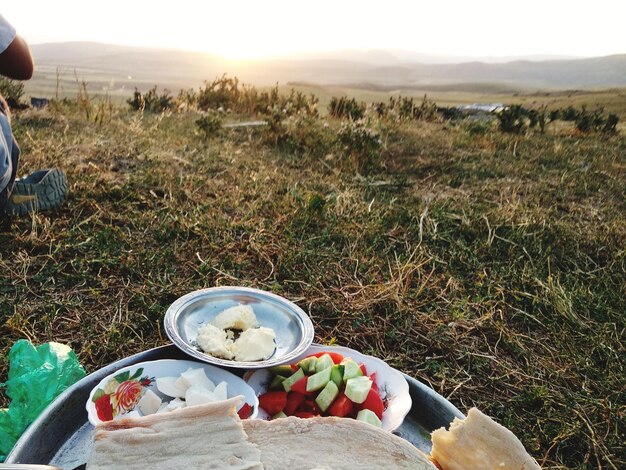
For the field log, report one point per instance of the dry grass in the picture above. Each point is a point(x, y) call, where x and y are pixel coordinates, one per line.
point(491, 267)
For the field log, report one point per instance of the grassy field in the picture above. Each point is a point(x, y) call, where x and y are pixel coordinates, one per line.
point(492, 267)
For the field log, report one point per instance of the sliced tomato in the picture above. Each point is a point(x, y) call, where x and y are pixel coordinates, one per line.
point(363, 369)
point(336, 357)
point(305, 414)
point(294, 400)
point(310, 405)
point(374, 384)
point(374, 403)
point(341, 406)
point(294, 367)
point(300, 385)
point(245, 411)
point(273, 402)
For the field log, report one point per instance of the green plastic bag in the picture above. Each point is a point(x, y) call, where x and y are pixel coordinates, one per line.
point(36, 377)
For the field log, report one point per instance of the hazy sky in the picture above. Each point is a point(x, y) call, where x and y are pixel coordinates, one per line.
point(241, 28)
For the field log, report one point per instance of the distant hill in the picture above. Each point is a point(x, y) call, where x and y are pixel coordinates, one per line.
point(120, 68)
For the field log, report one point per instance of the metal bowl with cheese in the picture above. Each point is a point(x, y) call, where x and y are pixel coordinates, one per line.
point(202, 323)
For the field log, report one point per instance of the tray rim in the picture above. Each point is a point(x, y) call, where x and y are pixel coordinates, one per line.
point(442, 411)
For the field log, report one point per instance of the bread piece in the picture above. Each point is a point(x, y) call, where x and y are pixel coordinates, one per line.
point(331, 443)
point(478, 442)
point(204, 436)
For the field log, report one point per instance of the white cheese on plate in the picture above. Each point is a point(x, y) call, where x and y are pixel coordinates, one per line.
point(255, 344)
point(214, 341)
point(239, 317)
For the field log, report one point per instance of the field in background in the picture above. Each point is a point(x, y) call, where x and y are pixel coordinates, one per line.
point(52, 83)
point(490, 266)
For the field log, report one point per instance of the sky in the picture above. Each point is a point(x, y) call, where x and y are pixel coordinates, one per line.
point(241, 29)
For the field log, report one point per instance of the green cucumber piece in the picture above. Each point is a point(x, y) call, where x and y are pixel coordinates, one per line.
point(351, 370)
point(308, 364)
point(369, 416)
point(292, 379)
point(280, 414)
point(284, 370)
point(327, 395)
point(357, 388)
point(318, 381)
point(277, 382)
point(323, 362)
point(336, 374)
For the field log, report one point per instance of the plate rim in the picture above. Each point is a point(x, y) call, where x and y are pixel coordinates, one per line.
point(171, 331)
point(187, 362)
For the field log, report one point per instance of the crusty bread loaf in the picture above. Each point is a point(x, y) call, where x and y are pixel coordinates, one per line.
point(478, 442)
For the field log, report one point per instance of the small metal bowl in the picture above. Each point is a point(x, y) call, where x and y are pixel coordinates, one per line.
point(293, 327)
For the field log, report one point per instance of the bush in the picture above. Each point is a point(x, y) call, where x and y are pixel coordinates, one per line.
point(299, 133)
point(210, 124)
point(12, 91)
point(361, 143)
point(512, 119)
point(151, 101)
point(344, 108)
point(610, 127)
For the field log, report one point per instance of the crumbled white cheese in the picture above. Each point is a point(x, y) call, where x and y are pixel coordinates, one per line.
point(214, 341)
point(255, 344)
point(239, 317)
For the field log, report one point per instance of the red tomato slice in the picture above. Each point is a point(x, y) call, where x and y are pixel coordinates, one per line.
point(363, 369)
point(311, 406)
point(336, 357)
point(294, 400)
point(374, 384)
point(341, 406)
point(374, 403)
point(300, 385)
point(273, 402)
point(305, 414)
point(245, 411)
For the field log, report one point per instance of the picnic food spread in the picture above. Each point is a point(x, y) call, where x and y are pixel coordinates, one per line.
point(253, 343)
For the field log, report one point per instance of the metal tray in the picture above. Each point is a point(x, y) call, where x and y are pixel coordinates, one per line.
point(62, 435)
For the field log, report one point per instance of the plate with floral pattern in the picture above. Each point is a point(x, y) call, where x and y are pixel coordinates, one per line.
point(117, 394)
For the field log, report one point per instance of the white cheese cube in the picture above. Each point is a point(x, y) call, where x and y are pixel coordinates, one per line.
point(221, 391)
point(149, 403)
point(197, 395)
point(167, 386)
point(197, 377)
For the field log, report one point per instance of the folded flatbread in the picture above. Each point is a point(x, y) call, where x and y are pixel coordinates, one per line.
point(331, 443)
point(197, 437)
point(478, 442)
point(212, 436)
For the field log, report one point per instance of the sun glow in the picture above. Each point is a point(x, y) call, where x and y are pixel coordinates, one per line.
point(245, 29)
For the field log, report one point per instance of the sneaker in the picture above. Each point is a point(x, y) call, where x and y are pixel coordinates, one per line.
point(39, 191)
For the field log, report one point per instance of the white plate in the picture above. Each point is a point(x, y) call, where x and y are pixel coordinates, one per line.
point(129, 383)
point(394, 389)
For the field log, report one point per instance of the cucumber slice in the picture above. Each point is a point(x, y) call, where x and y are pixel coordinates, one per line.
point(277, 382)
point(292, 379)
point(308, 364)
point(284, 370)
point(351, 370)
point(280, 414)
point(327, 395)
point(369, 416)
point(318, 381)
point(357, 388)
point(336, 374)
point(323, 362)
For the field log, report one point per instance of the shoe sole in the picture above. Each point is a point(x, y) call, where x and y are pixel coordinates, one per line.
point(44, 195)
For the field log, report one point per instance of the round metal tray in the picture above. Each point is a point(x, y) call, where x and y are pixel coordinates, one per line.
point(62, 435)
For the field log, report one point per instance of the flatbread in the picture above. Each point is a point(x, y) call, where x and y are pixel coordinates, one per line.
point(204, 436)
point(478, 442)
point(331, 443)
